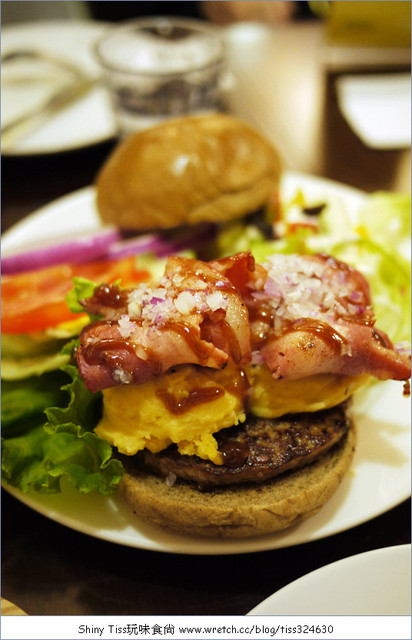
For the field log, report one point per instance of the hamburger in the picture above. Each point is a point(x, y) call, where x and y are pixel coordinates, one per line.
point(227, 384)
point(186, 172)
point(223, 385)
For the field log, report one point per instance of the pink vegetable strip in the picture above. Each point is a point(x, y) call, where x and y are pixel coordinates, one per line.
point(107, 244)
point(84, 248)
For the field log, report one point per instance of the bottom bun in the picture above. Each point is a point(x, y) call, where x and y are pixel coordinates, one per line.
point(241, 510)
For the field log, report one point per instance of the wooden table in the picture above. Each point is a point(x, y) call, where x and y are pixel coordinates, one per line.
point(284, 88)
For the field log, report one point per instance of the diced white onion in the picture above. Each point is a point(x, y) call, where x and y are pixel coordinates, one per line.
point(185, 303)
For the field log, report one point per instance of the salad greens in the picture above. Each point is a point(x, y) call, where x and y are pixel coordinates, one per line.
point(48, 419)
point(380, 249)
point(23, 404)
point(62, 445)
point(389, 279)
point(377, 243)
point(47, 428)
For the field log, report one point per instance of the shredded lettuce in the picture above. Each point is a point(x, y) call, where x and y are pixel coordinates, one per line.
point(386, 217)
point(377, 244)
point(389, 279)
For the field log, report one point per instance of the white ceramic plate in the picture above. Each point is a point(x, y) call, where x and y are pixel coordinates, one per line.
point(378, 481)
point(376, 583)
point(84, 122)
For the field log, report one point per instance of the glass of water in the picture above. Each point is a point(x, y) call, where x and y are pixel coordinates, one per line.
point(162, 67)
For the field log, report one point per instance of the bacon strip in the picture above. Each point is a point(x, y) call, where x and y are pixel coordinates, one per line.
point(301, 315)
point(337, 336)
point(360, 350)
point(193, 315)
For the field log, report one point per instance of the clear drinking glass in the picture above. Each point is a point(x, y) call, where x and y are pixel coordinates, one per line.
point(162, 67)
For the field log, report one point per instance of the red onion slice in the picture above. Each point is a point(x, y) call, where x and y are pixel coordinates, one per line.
point(106, 244)
point(82, 248)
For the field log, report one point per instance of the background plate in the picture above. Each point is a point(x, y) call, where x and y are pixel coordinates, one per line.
point(376, 583)
point(86, 121)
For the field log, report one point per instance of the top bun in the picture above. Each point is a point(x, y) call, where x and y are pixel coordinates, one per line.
point(208, 168)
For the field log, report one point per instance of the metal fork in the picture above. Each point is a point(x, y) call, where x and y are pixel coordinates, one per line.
point(24, 124)
point(42, 55)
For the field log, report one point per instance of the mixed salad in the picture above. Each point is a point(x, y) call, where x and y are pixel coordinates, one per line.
point(48, 415)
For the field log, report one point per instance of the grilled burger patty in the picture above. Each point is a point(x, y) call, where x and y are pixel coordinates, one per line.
point(254, 451)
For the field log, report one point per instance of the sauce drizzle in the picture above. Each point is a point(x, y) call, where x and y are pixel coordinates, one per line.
point(195, 397)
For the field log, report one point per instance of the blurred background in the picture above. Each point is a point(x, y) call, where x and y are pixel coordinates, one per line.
point(223, 12)
point(327, 82)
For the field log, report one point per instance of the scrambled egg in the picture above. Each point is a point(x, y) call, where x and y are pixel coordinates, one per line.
point(139, 416)
point(271, 398)
point(188, 404)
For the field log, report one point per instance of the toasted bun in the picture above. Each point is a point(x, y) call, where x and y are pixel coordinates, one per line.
point(208, 168)
point(242, 510)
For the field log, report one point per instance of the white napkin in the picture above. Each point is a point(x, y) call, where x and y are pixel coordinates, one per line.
point(377, 108)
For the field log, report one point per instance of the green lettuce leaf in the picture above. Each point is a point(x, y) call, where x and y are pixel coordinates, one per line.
point(84, 407)
point(37, 460)
point(23, 402)
point(61, 442)
point(82, 288)
point(24, 462)
point(386, 217)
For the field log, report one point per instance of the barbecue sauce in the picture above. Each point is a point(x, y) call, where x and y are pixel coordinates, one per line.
point(106, 296)
point(319, 329)
point(235, 453)
point(177, 406)
point(262, 318)
point(191, 337)
point(107, 351)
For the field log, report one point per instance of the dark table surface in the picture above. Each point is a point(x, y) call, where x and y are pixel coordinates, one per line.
point(48, 568)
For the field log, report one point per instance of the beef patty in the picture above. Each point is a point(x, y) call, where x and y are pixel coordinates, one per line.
point(254, 451)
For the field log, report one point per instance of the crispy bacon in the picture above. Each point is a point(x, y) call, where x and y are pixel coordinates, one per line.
point(191, 315)
point(313, 314)
point(346, 349)
point(301, 315)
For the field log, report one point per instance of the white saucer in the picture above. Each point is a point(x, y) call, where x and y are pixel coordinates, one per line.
point(373, 583)
point(84, 122)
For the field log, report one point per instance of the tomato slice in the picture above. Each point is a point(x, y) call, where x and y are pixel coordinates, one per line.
point(35, 300)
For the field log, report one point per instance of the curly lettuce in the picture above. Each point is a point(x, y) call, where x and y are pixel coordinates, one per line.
point(49, 435)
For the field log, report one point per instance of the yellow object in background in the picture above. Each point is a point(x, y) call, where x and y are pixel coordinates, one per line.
point(376, 24)
point(10, 609)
